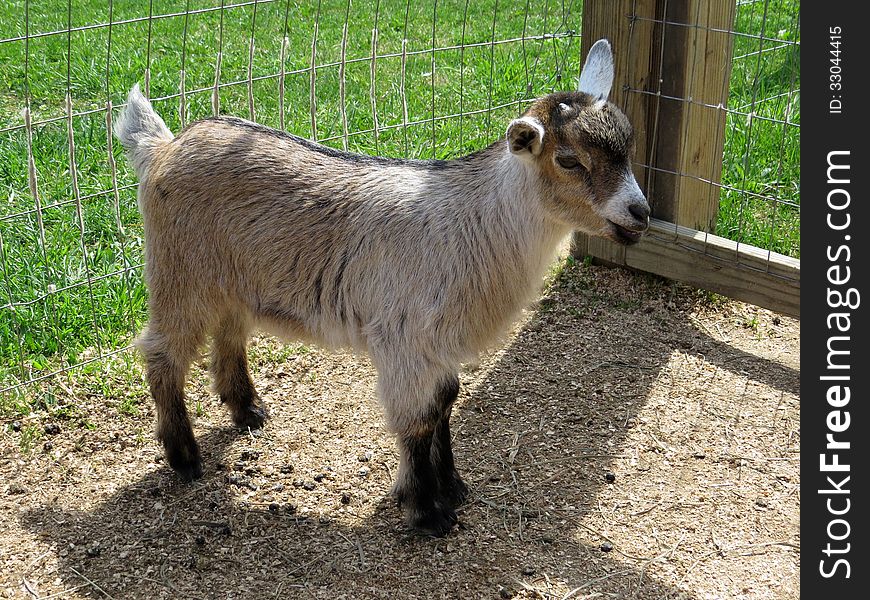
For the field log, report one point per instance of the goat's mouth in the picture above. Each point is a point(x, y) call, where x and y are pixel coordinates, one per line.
point(626, 236)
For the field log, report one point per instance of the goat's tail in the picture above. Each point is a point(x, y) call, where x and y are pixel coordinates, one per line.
point(141, 131)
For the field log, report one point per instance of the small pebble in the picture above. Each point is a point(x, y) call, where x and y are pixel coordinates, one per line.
point(286, 469)
point(47, 446)
point(506, 593)
point(16, 488)
point(606, 547)
point(363, 471)
point(610, 477)
point(308, 485)
point(52, 428)
point(345, 498)
point(273, 507)
point(199, 540)
point(528, 570)
point(366, 457)
point(16, 425)
point(319, 477)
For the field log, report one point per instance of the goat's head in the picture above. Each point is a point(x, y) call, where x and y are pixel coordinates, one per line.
point(581, 146)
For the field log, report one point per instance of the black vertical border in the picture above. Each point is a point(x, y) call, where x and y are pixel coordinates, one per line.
point(821, 133)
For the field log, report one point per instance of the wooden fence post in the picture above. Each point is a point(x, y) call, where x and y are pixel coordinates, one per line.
point(629, 25)
point(695, 65)
point(673, 62)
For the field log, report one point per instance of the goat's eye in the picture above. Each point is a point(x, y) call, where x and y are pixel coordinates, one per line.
point(567, 162)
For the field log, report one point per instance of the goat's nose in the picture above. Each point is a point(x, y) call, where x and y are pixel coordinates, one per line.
point(639, 210)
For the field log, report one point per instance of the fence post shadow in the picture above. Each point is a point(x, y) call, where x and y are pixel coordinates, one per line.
point(536, 432)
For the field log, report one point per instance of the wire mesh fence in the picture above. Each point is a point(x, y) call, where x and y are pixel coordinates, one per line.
point(397, 78)
point(433, 79)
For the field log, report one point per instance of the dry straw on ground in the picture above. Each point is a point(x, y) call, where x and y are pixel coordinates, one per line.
point(630, 439)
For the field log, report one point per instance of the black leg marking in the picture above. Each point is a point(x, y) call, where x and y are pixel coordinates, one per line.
point(452, 489)
point(173, 424)
point(182, 451)
point(241, 397)
point(233, 381)
point(450, 484)
point(419, 492)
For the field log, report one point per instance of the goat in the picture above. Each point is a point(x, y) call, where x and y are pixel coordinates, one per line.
point(419, 263)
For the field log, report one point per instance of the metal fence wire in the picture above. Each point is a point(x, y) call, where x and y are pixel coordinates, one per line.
point(437, 78)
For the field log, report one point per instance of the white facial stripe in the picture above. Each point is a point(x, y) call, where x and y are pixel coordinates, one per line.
point(616, 207)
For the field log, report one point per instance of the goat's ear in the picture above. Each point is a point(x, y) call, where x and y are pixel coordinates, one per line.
point(596, 78)
point(525, 136)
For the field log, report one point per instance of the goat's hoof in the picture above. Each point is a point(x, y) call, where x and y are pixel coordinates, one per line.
point(457, 491)
point(435, 522)
point(253, 416)
point(185, 461)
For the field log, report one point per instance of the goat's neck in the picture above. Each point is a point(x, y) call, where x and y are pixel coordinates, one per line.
point(506, 207)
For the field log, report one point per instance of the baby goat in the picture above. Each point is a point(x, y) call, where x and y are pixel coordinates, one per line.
point(419, 263)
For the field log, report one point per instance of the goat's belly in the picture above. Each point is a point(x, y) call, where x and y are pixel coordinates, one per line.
point(320, 331)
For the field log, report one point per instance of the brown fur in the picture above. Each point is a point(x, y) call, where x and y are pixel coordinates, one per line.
point(419, 263)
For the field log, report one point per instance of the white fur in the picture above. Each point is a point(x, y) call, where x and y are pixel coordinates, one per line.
point(596, 78)
point(518, 129)
point(140, 128)
point(616, 207)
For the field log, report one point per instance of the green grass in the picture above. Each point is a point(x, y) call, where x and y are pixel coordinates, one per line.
point(74, 276)
point(48, 256)
point(762, 155)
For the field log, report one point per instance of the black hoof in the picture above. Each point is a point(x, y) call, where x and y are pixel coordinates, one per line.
point(253, 417)
point(185, 460)
point(456, 492)
point(436, 522)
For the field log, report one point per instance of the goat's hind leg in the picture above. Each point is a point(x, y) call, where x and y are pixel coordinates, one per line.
point(232, 380)
point(167, 361)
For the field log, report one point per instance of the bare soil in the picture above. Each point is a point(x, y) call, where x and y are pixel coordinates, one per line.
point(631, 438)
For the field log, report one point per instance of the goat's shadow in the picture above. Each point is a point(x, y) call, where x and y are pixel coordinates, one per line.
point(516, 429)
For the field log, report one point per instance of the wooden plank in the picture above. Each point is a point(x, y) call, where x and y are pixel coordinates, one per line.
point(710, 262)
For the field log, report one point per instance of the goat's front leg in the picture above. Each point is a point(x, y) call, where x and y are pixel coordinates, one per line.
point(417, 489)
point(416, 407)
point(451, 487)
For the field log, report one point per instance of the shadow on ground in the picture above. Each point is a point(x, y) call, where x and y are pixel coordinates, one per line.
point(537, 430)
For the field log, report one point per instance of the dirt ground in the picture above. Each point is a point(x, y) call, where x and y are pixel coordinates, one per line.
point(631, 439)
